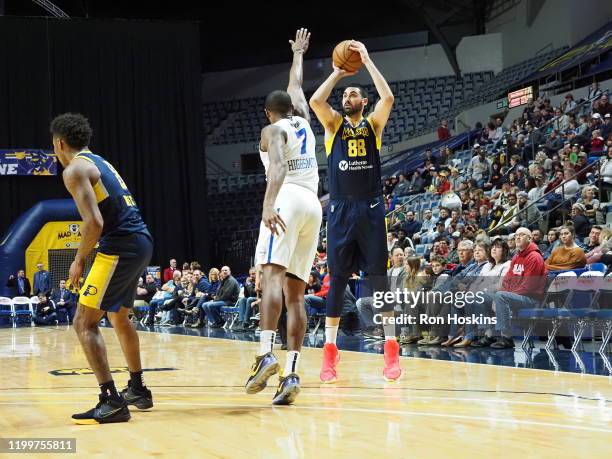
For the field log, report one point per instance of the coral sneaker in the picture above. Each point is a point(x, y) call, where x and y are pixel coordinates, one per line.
point(331, 357)
point(392, 370)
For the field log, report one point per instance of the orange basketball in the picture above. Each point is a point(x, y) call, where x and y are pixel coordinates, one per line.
point(346, 58)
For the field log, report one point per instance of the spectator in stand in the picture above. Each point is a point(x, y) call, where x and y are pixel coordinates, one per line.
point(45, 311)
point(428, 226)
point(444, 131)
point(387, 188)
point(526, 215)
point(594, 92)
point(522, 287)
point(315, 302)
point(144, 291)
point(410, 225)
point(606, 128)
point(402, 241)
point(401, 189)
point(504, 225)
point(594, 245)
point(480, 166)
point(249, 295)
point(590, 203)
point(313, 285)
point(416, 183)
point(537, 239)
point(430, 159)
point(64, 299)
point(42, 281)
point(568, 255)
point(455, 179)
point(227, 295)
point(568, 104)
point(602, 106)
point(563, 193)
point(20, 285)
point(554, 142)
point(160, 298)
point(580, 222)
point(444, 186)
point(597, 141)
point(552, 242)
point(391, 240)
point(169, 271)
point(605, 179)
point(484, 219)
point(560, 122)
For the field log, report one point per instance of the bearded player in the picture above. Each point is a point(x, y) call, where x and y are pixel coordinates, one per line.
point(356, 229)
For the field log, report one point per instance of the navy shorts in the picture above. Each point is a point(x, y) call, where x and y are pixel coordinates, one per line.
point(112, 280)
point(357, 237)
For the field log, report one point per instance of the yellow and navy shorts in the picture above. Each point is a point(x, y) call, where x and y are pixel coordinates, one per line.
point(112, 280)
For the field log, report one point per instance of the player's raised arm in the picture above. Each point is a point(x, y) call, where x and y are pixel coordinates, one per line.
point(296, 74)
point(326, 115)
point(77, 181)
point(273, 140)
point(380, 115)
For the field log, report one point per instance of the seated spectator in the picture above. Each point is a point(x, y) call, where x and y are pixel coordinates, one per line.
point(402, 241)
point(455, 179)
point(144, 291)
point(165, 294)
point(411, 281)
point(537, 239)
point(45, 311)
point(535, 188)
point(504, 225)
point(410, 225)
point(522, 287)
point(401, 189)
point(580, 222)
point(568, 255)
point(552, 241)
point(64, 299)
point(590, 203)
point(598, 244)
point(173, 308)
point(245, 303)
point(313, 285)
point(526, 215)
point(427, 226)
point(391, 240)
point(444, 185)
point(568, 104)
point(480, 167)
point(20, 285)
point(315, 302)
point(227, 295)
point(169, 271)
point(602, 106)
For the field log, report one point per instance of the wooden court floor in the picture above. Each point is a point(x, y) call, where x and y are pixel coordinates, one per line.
point(438, 409)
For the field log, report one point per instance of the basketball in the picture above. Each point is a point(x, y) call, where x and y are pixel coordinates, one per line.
point(346, 58)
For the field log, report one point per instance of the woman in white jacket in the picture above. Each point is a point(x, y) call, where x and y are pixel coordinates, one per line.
point(488, 282)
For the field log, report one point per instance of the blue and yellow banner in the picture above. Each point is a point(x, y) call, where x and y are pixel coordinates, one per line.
point(28, 162)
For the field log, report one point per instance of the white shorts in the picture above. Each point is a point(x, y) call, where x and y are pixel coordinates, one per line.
point(296, 248)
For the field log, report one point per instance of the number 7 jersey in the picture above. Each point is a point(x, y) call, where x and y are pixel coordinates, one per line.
point(299, 154)
point(353, 158)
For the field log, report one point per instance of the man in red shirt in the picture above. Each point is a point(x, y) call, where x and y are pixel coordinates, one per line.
point(444, 186)
point(444, 131)
point(522, 287)
point(169, 272)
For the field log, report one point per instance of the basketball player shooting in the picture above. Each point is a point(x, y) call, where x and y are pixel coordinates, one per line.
point(356, 230)
point(289, 231)
point(112, 219)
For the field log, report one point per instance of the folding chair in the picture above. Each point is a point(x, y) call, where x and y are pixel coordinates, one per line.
point(22, 310)
point(6, 311)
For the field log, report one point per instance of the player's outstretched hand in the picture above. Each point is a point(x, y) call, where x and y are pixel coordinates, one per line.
point(302, 40)
point(361, 49)
point(76, 271)
point(273, 220)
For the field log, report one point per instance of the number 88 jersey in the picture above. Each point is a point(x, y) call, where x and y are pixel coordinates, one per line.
point(353, 157)
point(300, 153)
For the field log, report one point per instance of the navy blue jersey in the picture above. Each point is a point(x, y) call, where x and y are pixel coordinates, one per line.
point(119, 211)
point(353, 158)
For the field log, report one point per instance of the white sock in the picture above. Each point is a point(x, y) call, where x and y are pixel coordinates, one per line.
point(331, 333)
point(389, 330)
point(266, 341)
point(292, 362)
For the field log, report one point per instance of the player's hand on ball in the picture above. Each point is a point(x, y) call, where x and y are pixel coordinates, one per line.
point(76, 271)
point(361, 49)
point(302, 40)
point(273, 221)
point(341, 72)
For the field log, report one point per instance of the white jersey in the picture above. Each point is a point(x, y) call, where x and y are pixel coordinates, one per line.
point(300, 155)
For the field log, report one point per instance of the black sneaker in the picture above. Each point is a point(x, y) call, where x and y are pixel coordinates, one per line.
point(108, 410)
point(265, 366)
point(288, 390)
point(485, 341)
point(503, 343)
point(141, 399)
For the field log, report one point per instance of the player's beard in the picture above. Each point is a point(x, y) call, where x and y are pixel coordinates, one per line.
point(350, 110)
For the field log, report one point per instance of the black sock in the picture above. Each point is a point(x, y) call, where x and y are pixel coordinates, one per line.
point(108, 388)
point(137, 380)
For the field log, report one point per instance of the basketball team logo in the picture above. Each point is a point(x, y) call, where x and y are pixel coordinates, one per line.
point(343, 165)
point(91, 290)
point(73, 228)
